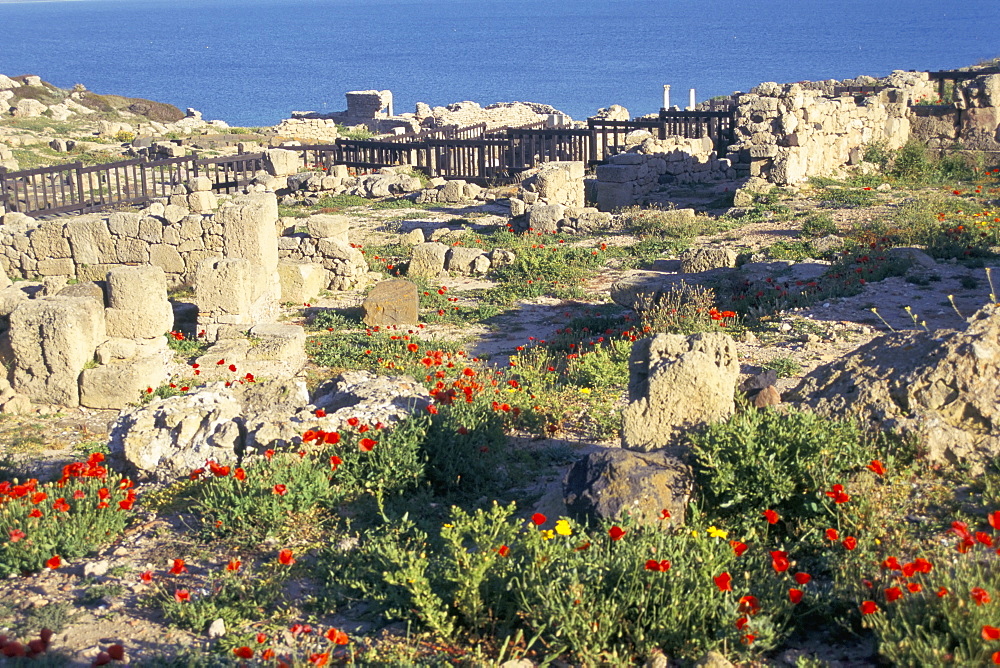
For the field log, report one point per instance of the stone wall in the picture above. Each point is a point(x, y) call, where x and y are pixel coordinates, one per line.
point(629, 177)
point(786, 133)
point(551, 199)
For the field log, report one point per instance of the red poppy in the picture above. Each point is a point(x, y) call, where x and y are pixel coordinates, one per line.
point(803, 578)
point(664, 514)
point(892, 564)
point(994, 519)
point(850, 543)
point(337, 637)
point(539, 519)
point(332, 438)
point(35, 513)
point(319, 412)
point(616, 532)
point(311, 435)
point(795, 596)
point(723, 582)
point(980, 595)
point(102, 659)
point(779, 561)
point(178, 567)
point(659, 566)
point(243, 652)
point(240, 474)
point(195, 474)
point(319, 659)
point(749, 605)
point(182, 595)
point(738, 547)
point(232, 367)
point(772, 517)
point(54, 562)
point(876, 467)
point(984, 538)
point(915, 587)
point(79, 494)
point(285, 557)
point(116, 652)
point(413, 347)
point(38, 497)
point(838, 494)
point(220, 362)
point(368, 444)
point(831, 534)
point(942, 592)
point(280, 489)
point(234, 565)
point(16, 535)
point(503, 550)
point(893, 593)
point(335, 461)
point(353, 421)
point(922, 565)
point(218, 471)
point(991, 632)
point(146, 576)
point(868, 608)
point(61, 506)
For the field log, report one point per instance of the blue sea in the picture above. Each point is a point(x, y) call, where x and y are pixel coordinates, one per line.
point(251, 62)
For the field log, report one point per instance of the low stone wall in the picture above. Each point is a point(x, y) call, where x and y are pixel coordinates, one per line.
point(630, 176)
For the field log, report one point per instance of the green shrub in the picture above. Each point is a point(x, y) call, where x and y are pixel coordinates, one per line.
point(818, 225)
point(911, 163)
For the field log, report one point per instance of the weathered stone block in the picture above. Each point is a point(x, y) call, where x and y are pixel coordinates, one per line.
point(248, 225)
point(394, 302)
point(60, 267)
point(224, 285)
point(117, 384)
point(326, 226)
point(91, 242)
point(301, 281)
point(166, 258)
point(427, 260)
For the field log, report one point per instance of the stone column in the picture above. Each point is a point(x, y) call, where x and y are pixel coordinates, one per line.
point(666, 96)
point(691, 100)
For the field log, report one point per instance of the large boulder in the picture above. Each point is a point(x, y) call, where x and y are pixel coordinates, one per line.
point(394, 302)
point(610, 483)
point(942, 387)
point(677, 382)
point(428, 260)
point(167, 439)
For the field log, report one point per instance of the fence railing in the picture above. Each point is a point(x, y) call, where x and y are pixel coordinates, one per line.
point(471, 153)
point(75, 188)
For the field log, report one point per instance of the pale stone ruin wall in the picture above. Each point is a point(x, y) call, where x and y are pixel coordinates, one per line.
point(551, 199)
point(787, 133)
point(973, 120)
point(630, 176)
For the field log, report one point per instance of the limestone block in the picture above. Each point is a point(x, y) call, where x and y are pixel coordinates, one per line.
point(58, 267)
point(174, 213)
point(394, 302)
point(124, 224)
point(427, 260)
point(676, 382)
point(48, 241)
point(137, 303)
point(617, 173)
point(460, 259)
point(28, 108)
point(166, 258)
point(224, 285)
point(52, 340)
point(93, 272)
point(10, 298)
point(119, 383)
point(613, 196)
point(133, 251)
point(545, 217)
point(202, 202)
point(116, 349)
point(190, 228)
point(249, 229)
point(301, 281)
point(704, 259)
point(281, 162)
point(452, 191)
point(326, 226)
point(172, 234)
point(91, 242)
point(200, 184)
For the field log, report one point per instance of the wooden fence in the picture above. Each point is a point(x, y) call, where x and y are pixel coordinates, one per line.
point(471, 153)
point(75, 188)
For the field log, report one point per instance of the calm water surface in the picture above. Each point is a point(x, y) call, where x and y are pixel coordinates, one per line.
point(250, 62)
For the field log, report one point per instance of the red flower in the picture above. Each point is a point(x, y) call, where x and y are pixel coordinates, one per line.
point(16, 535)
point(893, 593)
point(220, 362)
point(996, 657)
point(915, 587)
point(146, 576)
point(116, 652)
point(319, 659)
point(335, 461)
point(850, 543)
point(503, 550)
point(261, 638)
point(319, 412)
point(831, 534)
point(738, 547)
point(240, 474)
point(772, 517)
point(102, 659)
point(232, 367)
point(195, 474)
point(749, 605)
point(35, 513)
point(994, 519)
point(664, 514)
point(413, 347)
point(779, 561)
point(983, 538)
point(178, 567)
point(803, 578)
point(182, 595)
point(868, 608)
point(795, 596)
point(280, 490)
point(79, 494)
point(332, 438)
point(659, 566)
point(234, 565)
point(922, 565)
point(991, 633)
point(218, 471)
point(353, 421)
point(616, 532)
point(723, 582)
point(838, 494)
point(368, 444)
point(285, 557)
point(942, 592)
point(61, 505)
point(980, 595)
point(243, 652)
point(538, 519)
point(54, 562)
point(892, 564)
point(337, 637)
point(876, 467)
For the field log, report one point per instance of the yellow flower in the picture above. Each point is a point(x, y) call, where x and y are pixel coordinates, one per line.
point(717, 533)
point(548, 534)
point(585, 390)
point(694, 533)
point(563, 528)
point(449, 526)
